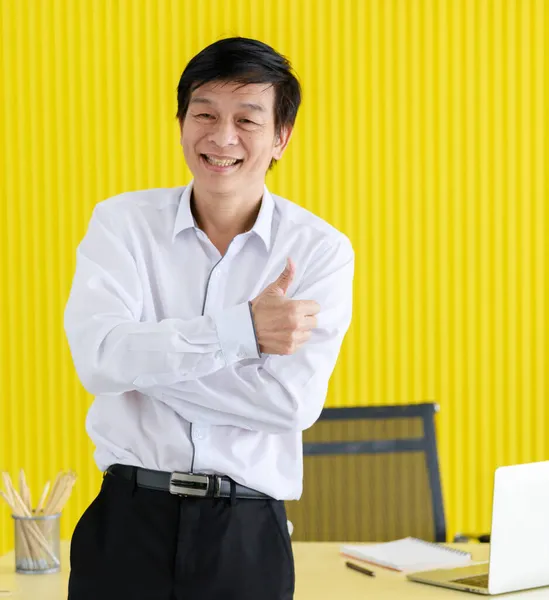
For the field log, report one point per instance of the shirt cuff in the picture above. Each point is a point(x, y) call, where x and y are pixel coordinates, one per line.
point(235, 330)
point(255, 332)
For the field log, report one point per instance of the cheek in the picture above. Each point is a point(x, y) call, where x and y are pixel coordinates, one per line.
point(190, 136)
point(190, 149)
point(259, 147)
point(185, 144)
point(189, 152)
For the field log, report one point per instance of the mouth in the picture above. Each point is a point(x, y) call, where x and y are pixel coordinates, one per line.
point(220, 164)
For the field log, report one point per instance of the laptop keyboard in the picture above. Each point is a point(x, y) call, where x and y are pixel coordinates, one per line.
point(480, 581)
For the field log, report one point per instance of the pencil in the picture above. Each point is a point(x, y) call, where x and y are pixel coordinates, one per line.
point(360, 569)
point(40, 505)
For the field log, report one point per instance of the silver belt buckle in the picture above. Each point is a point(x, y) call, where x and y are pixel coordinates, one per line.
point(190, 484)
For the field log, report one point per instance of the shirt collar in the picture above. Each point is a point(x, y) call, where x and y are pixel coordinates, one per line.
point(263, 224)
point(184, 218)
point(262, 227)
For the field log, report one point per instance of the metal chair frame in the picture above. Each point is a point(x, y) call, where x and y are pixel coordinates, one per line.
point(426, 444)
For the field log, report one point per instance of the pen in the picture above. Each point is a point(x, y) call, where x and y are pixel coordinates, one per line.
point(360, 569)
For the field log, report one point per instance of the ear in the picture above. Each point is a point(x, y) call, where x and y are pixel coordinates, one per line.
point(281, 141)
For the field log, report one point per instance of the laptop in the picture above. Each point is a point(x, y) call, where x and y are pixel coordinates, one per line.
point(519, 542)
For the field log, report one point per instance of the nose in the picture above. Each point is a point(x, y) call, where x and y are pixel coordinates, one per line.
point(223, 133)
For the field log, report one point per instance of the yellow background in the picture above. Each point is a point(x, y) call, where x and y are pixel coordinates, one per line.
point(422, 135)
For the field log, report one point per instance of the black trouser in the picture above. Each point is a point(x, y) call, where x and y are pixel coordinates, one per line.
point(134, 543)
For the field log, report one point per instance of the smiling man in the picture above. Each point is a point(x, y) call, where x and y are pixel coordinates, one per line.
point(206, 320)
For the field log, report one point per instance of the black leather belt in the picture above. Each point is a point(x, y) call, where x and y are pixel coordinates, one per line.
point(185, 484)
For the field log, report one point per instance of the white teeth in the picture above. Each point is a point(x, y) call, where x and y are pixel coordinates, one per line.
point(221, 163)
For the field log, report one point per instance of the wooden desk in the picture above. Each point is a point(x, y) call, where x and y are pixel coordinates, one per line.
point(320, 575)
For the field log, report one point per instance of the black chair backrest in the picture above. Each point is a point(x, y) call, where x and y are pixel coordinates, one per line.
point(370, 474)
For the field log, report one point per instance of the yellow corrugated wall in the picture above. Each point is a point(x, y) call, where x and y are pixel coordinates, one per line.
point(423, 135)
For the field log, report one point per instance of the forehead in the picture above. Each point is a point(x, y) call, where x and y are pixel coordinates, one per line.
point(221, 94)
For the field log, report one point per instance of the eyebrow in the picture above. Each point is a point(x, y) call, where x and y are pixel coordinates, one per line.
point(249, 105)
point(253, 106)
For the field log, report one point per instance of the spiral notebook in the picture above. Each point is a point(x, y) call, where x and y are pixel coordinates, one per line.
point(408, 555)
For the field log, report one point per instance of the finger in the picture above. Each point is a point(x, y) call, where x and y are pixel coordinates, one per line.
point(298, 340)
point(307, 307)
point(304, 323)
point(309, 322)
point(285, 279)
point(302, 338)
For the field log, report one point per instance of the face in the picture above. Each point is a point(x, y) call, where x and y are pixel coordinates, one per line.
point(228, 136)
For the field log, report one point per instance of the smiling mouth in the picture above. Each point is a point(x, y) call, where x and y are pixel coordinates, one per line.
point(220, 162)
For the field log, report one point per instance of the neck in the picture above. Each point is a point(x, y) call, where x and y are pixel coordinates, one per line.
point(224, 216)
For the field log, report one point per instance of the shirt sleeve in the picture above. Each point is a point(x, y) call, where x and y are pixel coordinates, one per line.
point(277, 394)
point(113, 350)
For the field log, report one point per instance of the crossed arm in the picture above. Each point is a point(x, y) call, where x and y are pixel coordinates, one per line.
point(208, 365)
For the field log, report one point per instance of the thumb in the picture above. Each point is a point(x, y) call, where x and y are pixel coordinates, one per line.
point(281, 285)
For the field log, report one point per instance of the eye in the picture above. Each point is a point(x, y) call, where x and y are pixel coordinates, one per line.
point(246, 122)
point(204, 116)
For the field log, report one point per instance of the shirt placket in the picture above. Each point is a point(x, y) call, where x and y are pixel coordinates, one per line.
point(214, 300)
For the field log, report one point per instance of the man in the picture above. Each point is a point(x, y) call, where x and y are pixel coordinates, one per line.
point(207, 321)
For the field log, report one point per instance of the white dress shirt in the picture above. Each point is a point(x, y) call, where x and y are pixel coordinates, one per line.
point(160, 331)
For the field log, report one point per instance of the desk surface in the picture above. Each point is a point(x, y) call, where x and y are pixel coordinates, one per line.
point(320, 575)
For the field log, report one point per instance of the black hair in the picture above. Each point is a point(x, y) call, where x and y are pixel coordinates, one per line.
point(243, 60)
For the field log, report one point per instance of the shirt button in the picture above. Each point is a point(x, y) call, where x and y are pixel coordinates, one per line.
point(199, 433)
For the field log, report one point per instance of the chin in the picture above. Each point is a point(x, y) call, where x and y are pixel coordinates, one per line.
point(219, 185)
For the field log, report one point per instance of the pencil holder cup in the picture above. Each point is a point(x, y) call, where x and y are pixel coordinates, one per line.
point(37, 544)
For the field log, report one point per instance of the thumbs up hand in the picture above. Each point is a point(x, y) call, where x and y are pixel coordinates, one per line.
point(282, 325)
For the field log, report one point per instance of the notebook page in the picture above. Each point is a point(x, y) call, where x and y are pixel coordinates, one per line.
point(408, 554)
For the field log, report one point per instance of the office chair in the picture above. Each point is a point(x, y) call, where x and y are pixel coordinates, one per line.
point(370, 474)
